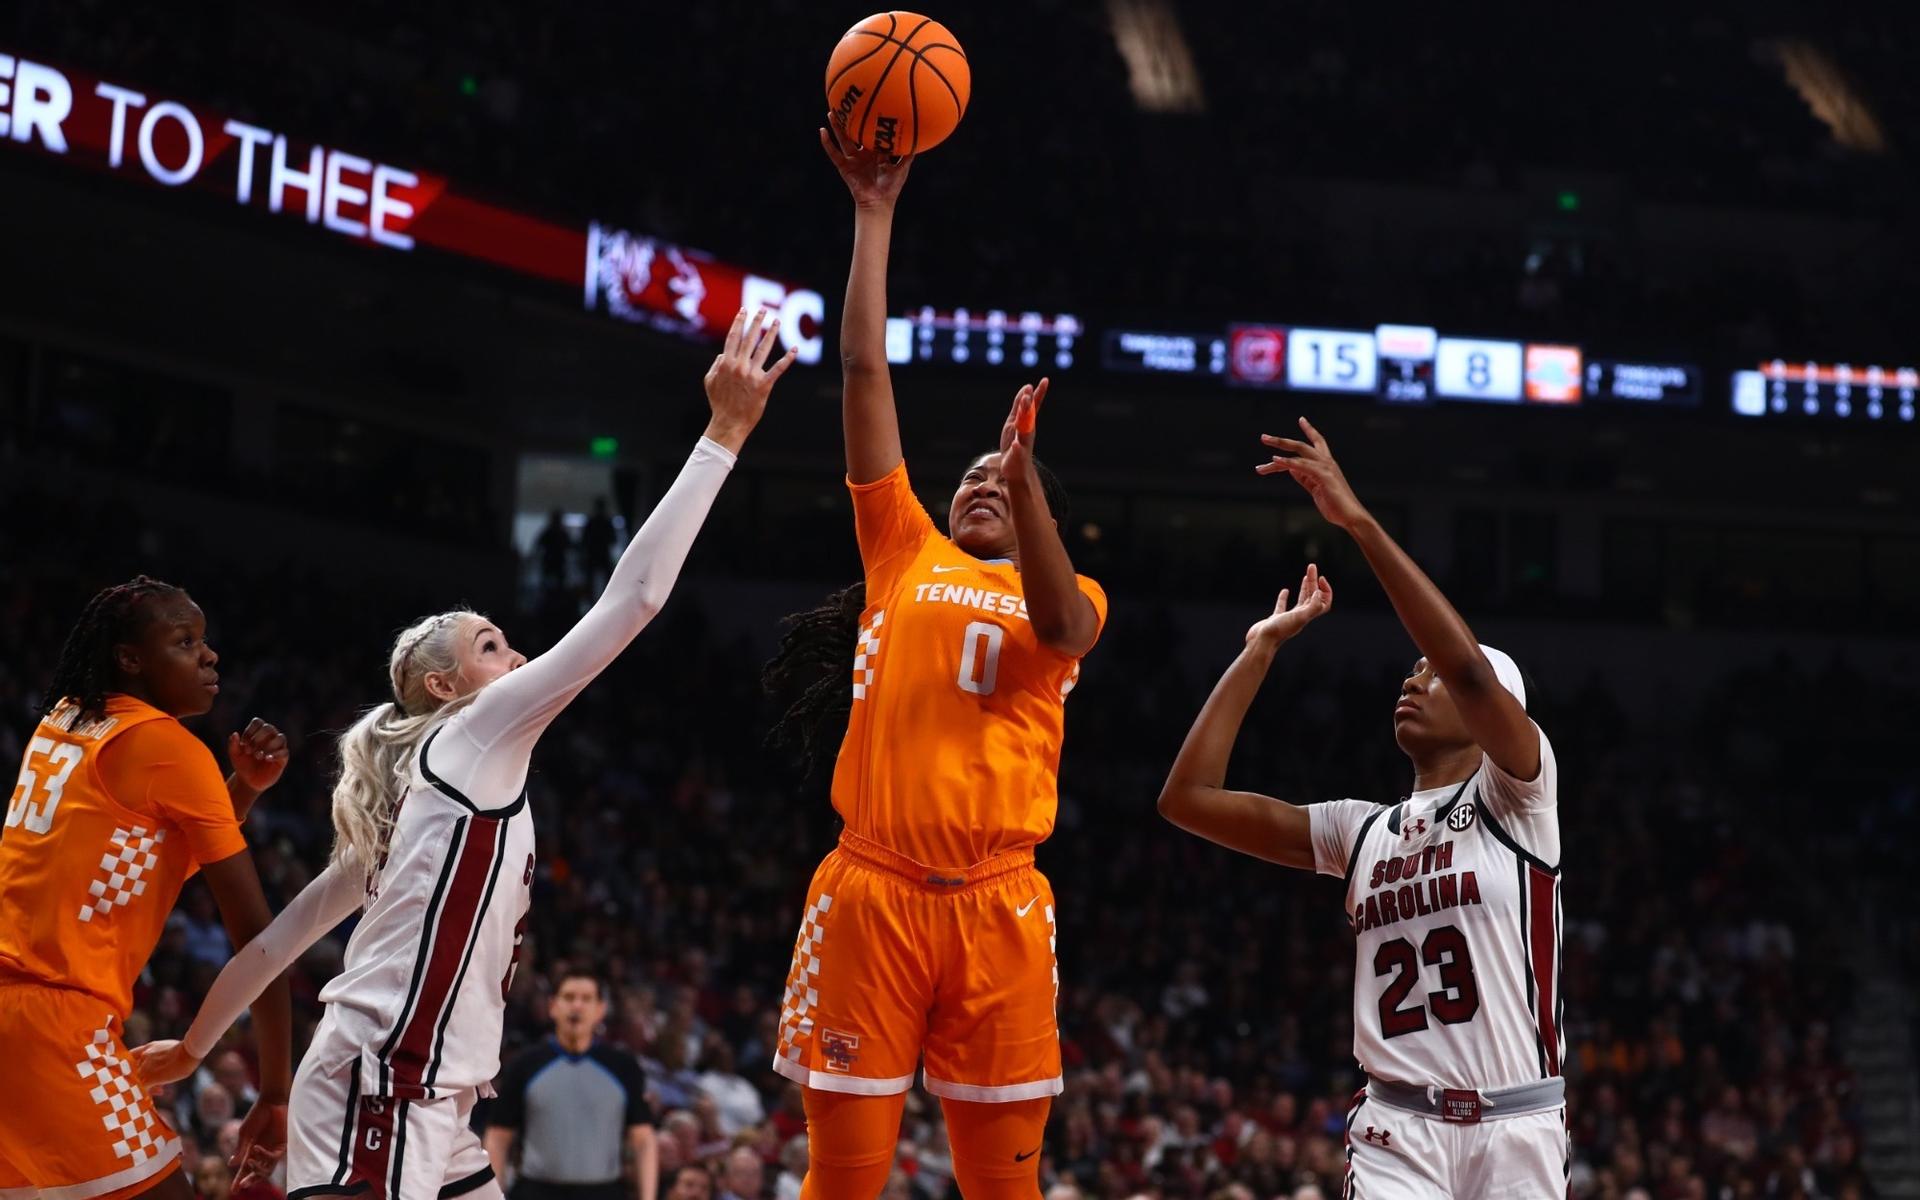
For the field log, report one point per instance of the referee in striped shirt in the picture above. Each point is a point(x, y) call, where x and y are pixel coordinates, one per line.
point(574, 1105)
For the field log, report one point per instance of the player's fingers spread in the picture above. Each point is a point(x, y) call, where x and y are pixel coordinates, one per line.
point(1313, 435)
point(1280, 602)
point(749, 342)
point(733, 336)
point(780, 367)
point(1276, 467)
point(1040, 393)
point(769, 338)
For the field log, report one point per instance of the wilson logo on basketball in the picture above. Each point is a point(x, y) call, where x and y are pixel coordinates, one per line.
point(884, 131)
point(848, 99)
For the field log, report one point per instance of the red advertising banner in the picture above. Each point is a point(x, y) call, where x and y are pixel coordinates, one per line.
point(169, 143)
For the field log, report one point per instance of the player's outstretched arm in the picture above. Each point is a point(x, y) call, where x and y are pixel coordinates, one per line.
point(256, 966)
point(1497, 721)
point(866, 402)
point(1194, 797)
point(512, 711)
point(243, 909)
point(1062, 616)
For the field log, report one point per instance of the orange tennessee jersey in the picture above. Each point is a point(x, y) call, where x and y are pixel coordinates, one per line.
point(107, 821)
point(953, 748)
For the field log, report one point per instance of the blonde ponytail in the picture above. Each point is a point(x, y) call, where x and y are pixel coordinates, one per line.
point(376, 754)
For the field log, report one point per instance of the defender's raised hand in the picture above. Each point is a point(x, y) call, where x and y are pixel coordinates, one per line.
point(1312, 466)
point(739, 381)
point(1316, 600)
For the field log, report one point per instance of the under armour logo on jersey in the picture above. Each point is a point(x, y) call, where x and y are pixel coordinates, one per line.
point(1383, 1136)
point(1415, 828)
point(1460, 818)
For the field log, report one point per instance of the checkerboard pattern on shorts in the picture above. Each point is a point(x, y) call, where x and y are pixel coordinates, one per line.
point(801, 995)
point(129, 856)
point(138, 1135)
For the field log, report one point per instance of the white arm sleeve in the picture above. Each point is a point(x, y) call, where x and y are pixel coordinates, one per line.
point(512, 711)
point(1333, 827)
point(328, 900)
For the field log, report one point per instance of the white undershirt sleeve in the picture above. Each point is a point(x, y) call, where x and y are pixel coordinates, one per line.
point(1529, 809)
point(331, 898)
point(1333, 827)
point(511, 712)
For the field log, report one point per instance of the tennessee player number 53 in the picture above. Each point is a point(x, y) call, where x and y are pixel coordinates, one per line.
point(62, 757)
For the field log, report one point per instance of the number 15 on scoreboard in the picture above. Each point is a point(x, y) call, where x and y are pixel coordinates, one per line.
point(1332, 360)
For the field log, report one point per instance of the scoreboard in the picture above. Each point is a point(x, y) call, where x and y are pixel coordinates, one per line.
point(1394, 364)
point(1140, 350)
point(992, 337)
point(1829, 391)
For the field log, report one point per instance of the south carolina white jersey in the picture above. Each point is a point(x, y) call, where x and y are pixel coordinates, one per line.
point(1453, 895)
point(422, 996)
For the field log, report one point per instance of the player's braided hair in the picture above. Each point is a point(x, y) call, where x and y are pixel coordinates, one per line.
point(86, 671)
point(813, 668)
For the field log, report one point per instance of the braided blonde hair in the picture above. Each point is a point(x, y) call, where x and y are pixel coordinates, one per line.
point(376, 754)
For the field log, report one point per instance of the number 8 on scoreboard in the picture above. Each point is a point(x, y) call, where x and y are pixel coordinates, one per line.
point(1470, 369)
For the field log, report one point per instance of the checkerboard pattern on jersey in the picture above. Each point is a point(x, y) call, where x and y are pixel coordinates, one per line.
point(130, 854)
point(1053, 948)
point(864, 651)
point(138, 1135)
point(801, 995)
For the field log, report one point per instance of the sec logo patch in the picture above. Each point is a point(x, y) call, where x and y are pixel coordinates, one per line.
point(1460, 818)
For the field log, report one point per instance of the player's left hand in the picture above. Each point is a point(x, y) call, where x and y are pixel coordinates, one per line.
point(263, 1142)
point(258, 754)
point(1016, 435)
point(162, 1062)
point(1316, 600)
point(1312, 467)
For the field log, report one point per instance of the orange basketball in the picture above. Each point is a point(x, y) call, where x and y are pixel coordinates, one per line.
point(898, 82)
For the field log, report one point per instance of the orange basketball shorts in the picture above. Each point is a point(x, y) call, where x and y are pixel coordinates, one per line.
point(74, 1120)
point(899, 963)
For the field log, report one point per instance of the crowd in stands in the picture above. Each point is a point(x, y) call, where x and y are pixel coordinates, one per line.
point(1206, 998)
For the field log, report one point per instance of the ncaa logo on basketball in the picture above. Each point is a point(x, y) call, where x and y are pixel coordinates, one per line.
point(838, 1047)
point(1460, 818)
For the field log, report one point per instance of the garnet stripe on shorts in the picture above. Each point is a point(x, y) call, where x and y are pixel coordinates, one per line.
point(373, 1136)
point(446, 942)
